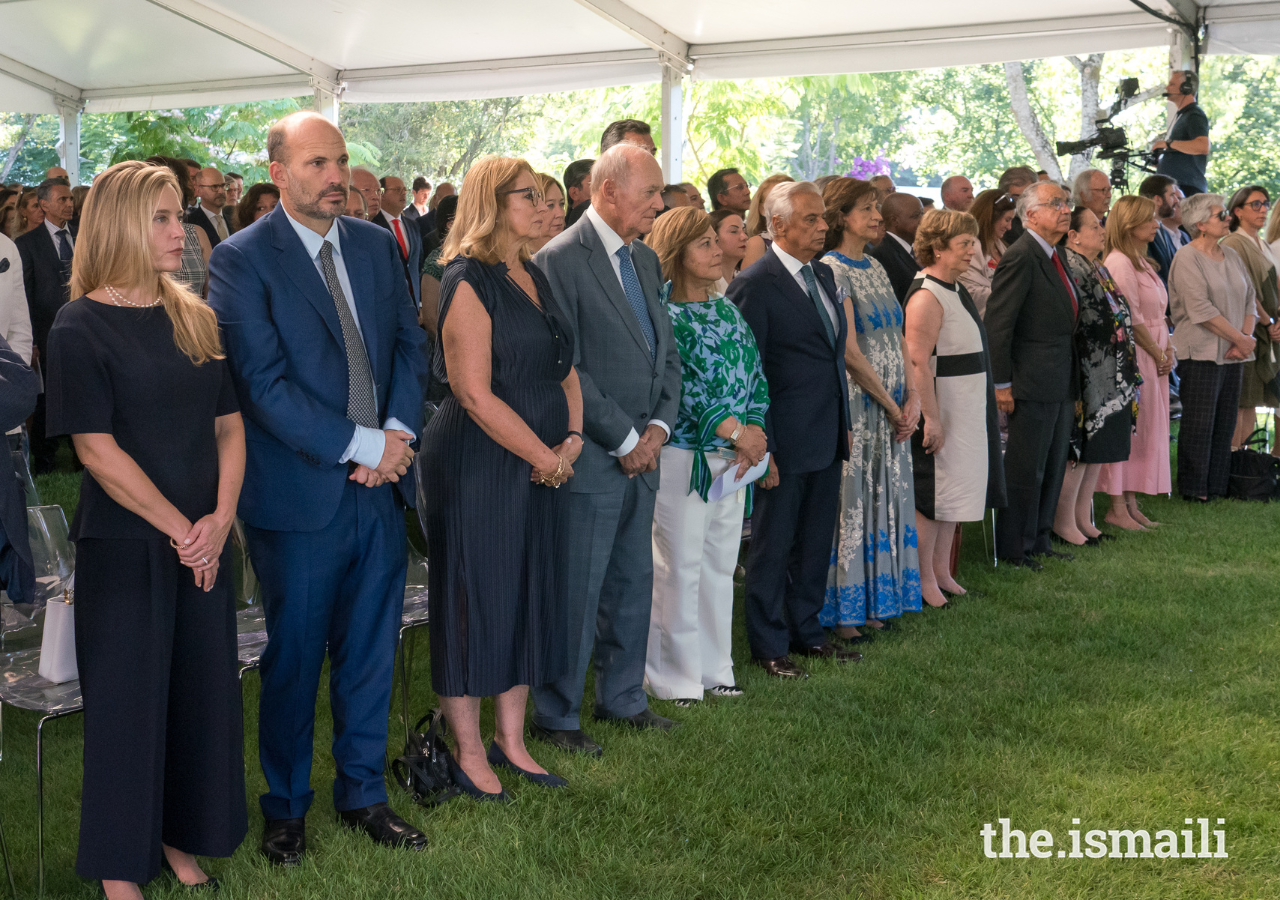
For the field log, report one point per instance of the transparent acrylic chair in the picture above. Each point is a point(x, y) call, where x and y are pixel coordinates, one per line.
point(20, 683)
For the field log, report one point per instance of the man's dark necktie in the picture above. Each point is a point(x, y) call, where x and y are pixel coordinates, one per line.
point(362, 406)
point(635, 298)
point(812, 282)
point(64, 252)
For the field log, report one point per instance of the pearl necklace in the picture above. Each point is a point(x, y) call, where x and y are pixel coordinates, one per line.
point(120, 299)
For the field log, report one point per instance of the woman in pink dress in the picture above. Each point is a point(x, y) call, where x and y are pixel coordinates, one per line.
point(1132, 225)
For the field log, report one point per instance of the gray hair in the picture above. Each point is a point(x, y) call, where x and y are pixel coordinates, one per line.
point(1082, 187)
point(1030, 198)
point(616, 164)
point(782, 203)
point(44, 191)
point(1197, 209)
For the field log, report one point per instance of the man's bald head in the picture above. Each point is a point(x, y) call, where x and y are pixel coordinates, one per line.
point(211, 188)
point(287, 131)
point(957, 193)
point(902, 214)
point(310, 166)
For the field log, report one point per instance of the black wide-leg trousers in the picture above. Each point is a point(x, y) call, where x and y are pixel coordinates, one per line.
point(163, 732)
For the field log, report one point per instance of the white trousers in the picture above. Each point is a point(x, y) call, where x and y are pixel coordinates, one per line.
point(695, 551)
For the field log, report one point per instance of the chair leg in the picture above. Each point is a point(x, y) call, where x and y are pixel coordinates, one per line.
point(40, 802)
point(8, 866)
point(404, 685)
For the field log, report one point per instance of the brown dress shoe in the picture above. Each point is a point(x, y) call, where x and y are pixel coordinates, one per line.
point(828, 650)
point(781, 667)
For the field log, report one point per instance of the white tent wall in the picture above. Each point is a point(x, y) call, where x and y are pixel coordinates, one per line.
point(122, 55)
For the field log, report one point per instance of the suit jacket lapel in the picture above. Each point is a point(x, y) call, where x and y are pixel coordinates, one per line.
point(789, 287)
point(602, 267)
point(1051, 272)
point(301, 270)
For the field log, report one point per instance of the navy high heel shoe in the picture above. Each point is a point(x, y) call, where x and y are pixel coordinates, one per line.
point(498, 758)
point(469, 788)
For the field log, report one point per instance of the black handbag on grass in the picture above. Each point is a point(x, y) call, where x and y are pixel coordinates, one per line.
point(1254, 475)
point(423, 771)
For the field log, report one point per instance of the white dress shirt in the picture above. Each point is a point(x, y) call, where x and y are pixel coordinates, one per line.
point(612, 242)
point(794, 266)
point(367, 444)
point(905, 245)
point(53, 233)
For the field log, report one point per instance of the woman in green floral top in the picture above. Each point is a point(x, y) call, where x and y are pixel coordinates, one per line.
point(720, 427)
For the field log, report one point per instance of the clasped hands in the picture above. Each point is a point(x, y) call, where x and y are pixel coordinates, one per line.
point(555, 465)
point(1241, 349)
point(905, 419)
point(200, 548)
point(397, 455)
point(644, 455)
point(750, 449)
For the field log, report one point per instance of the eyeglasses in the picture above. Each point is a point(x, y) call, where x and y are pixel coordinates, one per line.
point(533, 195)
point(212, 186)
point(1221, 215)
point(1258, 205)
point(1056, 203)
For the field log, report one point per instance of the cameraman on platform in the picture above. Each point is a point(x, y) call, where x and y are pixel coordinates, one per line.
point(1186, 146)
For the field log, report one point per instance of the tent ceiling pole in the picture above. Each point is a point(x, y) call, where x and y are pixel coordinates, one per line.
point(69, 138)
point(246, 36)
point(640, 27)
point(326, 102)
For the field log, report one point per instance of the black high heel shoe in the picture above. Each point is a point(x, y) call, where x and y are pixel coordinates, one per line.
point(463, 781)
point(498, 758)
point(209, 886)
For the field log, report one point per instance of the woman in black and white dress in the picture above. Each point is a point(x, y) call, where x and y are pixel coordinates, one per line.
point(956, 455)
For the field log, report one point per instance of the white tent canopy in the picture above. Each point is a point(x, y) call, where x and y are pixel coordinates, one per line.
point(72, 56)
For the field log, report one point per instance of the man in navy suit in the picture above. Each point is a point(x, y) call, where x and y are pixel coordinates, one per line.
point(326, 355)
point(790, 301)
point(1167, 196)
point(46, 253)
point(896, 253)
point(408, 238)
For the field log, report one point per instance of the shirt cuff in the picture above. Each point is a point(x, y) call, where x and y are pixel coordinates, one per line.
point(663, 425)
point(394, 424)
point(627, 445)
point(366, 447)
point(1007, 384)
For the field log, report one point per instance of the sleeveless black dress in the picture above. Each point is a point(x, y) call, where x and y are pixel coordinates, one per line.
point(496, 541)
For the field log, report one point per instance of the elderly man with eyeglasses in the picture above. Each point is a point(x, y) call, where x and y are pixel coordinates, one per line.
point(1030, 319)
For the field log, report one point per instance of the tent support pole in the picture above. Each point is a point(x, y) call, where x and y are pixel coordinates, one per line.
point(672, 121)
point(69, 139)
point(326, 103)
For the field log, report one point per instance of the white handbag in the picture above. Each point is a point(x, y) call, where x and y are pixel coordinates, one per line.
point(58, 650)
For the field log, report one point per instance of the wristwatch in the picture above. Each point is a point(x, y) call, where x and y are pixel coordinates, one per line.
point(737, 433)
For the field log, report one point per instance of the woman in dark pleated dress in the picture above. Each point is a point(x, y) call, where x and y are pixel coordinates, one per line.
point(505, 439)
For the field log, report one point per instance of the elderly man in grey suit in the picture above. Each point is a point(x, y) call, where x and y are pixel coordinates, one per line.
point(607, 283)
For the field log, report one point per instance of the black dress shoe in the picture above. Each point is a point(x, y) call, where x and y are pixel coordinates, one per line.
point(781, 667)
point(1054, 554)
point(646, 718)
point(575, 741)
point(829, 650)
point(1024, 563)
point(380, 822)
point(284, 841)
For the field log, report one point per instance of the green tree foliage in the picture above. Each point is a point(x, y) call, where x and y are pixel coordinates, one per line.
point(1241, 95)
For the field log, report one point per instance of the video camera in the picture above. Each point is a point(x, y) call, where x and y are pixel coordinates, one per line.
point(1111, 141)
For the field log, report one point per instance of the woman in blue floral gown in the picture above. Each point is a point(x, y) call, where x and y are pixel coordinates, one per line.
point(875, 568)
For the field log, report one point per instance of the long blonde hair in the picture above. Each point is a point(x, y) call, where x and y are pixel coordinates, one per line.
point(1273, 227)
point(479, 226)
point(756, 222)
point(113, 247)
point(1130, 212)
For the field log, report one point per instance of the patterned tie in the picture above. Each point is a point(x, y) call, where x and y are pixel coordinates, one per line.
point(1066, 282)
point(635, 297)
point(362, 408)
point(64, 252)
point(816, 297)
point(219, 225)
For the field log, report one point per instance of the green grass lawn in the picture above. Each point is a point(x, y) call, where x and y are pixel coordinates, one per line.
point(1132, 688)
